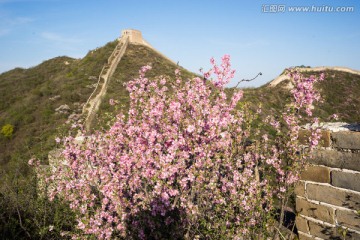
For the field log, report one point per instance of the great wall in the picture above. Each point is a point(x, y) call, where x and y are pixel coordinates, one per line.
point(283, 77)
point(328, 195)
point(92, 104)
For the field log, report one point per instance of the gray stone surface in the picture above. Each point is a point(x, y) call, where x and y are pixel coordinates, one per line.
point(333, 196)
point(346, 140)
point(334, 126)
point(336, 159)
point(320, 212)
point(348, 219)
point(322, 231)
point(348, 180)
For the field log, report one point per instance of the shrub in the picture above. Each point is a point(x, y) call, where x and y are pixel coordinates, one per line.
point(184, 163)
point(7, 130)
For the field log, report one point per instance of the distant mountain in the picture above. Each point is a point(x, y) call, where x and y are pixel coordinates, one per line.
point(340, 92)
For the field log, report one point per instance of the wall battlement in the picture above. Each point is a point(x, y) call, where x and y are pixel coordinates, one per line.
point(135, 36)
point(328, 195)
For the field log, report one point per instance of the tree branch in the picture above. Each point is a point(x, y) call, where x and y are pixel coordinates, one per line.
point(248, 80)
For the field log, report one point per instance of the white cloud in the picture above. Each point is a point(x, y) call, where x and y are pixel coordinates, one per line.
point(19, 20)
point(8, 24)
point(55, 37)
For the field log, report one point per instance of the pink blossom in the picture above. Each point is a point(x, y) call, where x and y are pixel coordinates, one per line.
point(190, 128)
point(335, 116)
point(181, 157)
point(163, 81)
point(112, 102)
point(31, 161)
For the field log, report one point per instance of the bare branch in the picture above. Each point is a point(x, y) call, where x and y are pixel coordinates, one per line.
point(20, 222)
point(248, 80)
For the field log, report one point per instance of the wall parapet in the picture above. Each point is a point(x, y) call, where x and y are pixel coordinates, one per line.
point(328, 194)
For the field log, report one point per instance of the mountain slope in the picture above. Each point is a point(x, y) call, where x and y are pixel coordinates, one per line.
point(134, 58)
point(340, 92)
point(30, 101)
point(38, 101)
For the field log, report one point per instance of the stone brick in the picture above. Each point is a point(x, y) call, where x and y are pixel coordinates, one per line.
point(346, 180)
point(333, 233)
point(316, 174)
point(333, 196)
point(348, 219)
point(352, 235)
point(301, 224)
point(316, 211)
point(322, 231)
point(300, 189)
point(303, 236)
point(336, 159)
point(347, 140)
point(324, 137)
point(347, 234)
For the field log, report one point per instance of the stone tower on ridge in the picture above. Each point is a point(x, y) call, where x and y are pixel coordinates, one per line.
point(134, 36)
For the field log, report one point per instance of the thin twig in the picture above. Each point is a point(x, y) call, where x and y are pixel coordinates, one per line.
point(21, 225)
point(282, 236)
point(248, 80)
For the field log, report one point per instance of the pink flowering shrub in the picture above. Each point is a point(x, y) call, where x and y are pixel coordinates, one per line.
point(180, 165)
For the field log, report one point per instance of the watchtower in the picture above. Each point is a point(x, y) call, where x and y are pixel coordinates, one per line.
point(134, 36)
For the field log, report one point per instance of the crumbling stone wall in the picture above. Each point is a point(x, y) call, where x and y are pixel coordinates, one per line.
point(328, 195)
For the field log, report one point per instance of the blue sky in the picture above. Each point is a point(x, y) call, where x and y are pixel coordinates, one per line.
point(188, 31)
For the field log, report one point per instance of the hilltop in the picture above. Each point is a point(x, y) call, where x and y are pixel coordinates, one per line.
point(340, 93)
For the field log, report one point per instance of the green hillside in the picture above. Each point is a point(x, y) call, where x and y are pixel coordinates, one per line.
point(134, 58)
point(340, 93)
point(29, 99)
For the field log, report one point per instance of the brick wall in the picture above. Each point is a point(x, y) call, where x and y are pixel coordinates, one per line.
point(328, 195)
